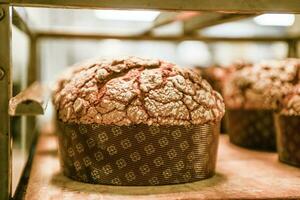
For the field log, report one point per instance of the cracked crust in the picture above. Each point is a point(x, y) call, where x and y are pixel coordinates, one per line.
point(134, 90)
point(261, 86)
point(290, 105)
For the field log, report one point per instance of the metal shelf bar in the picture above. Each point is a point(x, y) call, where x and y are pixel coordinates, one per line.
point(96, 36)
point(231, 6)
point(21, 23)
point(6, 92)
point(210, 19)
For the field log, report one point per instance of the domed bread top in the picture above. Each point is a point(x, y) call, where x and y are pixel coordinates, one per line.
point(132, 90)
point(262, 85)
point(290, 104)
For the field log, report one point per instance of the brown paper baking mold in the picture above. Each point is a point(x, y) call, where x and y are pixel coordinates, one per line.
point(137, 155)
point(288, 139)
point(254, 129)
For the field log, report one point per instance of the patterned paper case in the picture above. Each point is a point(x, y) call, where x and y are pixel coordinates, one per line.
point(288, 128)
point(134, 121)
point(251, 95)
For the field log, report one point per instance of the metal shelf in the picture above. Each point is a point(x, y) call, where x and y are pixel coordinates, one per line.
point(231, 6)
point(209, 19)
point(21, 23)
point(216, 12)
point(31, 101)
point(58, 34)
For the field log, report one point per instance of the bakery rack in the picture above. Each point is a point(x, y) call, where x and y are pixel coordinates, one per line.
point(32, 100)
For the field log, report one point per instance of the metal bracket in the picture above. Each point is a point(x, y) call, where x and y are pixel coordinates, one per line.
point(2, 14)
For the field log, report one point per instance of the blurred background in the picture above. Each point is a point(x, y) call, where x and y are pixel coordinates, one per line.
point(58, 54)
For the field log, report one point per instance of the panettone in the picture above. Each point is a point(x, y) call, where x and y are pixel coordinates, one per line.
point(134, 121)
point(251, 95)
point(288, 132)
point(262, 85)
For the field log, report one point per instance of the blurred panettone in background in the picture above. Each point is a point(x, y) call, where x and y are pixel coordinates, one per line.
point(216, 75)
point(288, 127)
point(262, 85)
point(290, 104)
point(252, 94)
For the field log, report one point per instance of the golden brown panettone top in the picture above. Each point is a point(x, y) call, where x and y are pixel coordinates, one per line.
point(262, 85)
point(290, 104)
point(133, 90)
